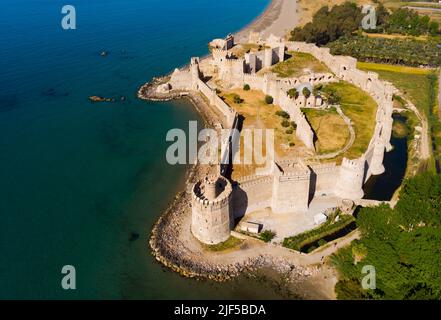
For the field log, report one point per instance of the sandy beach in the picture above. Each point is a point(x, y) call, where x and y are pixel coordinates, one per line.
point(279, 18)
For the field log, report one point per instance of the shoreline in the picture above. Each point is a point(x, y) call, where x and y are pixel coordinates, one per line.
point(171, 241)
point(279, 17)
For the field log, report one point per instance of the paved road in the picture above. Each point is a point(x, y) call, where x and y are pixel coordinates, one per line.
point(423, 8)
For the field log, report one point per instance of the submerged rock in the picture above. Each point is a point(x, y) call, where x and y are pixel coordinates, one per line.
point(101, 99)
point(134, 236)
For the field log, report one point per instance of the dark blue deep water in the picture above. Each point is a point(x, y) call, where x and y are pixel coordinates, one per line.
point(79, 181)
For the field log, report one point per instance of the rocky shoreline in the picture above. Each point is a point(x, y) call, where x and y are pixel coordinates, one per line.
point(166, 236)
point(168, 249)
point(171, 241)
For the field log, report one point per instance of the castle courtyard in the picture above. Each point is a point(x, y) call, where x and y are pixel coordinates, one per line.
point(290, 224)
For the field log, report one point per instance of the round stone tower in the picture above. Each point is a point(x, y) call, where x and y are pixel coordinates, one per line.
point(212, 211)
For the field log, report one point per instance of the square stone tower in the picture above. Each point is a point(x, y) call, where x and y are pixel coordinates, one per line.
point(291, 187)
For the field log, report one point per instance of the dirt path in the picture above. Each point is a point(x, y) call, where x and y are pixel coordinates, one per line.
point(308, 268)
point(439, 92)
point(425, 149)
point(350, 142)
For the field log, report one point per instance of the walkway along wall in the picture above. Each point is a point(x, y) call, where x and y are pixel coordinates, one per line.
point(346, 180)
point(371, 162)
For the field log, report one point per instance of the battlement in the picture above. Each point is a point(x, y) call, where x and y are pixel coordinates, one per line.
point(253, 180)
point(212, 191)
point(356, 164)
point(219, 52)
point(323, 168)
point(194, 60)
point(289, 187)
point(235, 60)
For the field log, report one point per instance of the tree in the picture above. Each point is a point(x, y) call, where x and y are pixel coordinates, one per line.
point(246, 87)
point(293, 93)
point(382, 15)
point(285, 123)
point(329, 25)
point(306, 92)
point(237, 99)
point(316, 90)
point(269, 99)
point(433, 28)
point(402, 243)
point(282, 114)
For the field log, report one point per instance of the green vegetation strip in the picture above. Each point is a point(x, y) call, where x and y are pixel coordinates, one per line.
point(294, 66)
point(230, 243)
point(382, 50)
point(328, 228)
point(419, 86)
point(358, 106)
point(401, 243)
point(329, 24)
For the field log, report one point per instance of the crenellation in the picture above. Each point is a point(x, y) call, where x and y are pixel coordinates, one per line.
point(289, 187)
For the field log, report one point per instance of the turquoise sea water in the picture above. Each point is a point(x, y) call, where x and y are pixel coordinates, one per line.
point(79, 181)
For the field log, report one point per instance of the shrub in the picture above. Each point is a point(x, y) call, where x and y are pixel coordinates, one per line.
point(311, 249)
point(317, 89)
point(282, 114)
point(237, 99)
point(293, 93)
point(247, 87)
point(292, 144)
point(267, 235)
point(285, 123)
point(269, 99)
point(306, 92)
point(289, 131)
point(301, 240)
point(331, 96)
point(293, 125)
point(409, 52)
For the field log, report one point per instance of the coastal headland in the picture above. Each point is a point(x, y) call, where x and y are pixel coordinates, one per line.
point(172, 239)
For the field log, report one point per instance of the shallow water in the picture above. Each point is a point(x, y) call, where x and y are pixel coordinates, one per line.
point(383, 187)
point(81, 184)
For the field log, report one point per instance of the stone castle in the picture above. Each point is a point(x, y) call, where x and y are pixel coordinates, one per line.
point(291, 184)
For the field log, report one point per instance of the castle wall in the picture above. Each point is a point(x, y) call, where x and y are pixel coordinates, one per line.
point(214, 100)
point(180, 80)
point(251, 194)
point(323, 178)
point(291, 192)
point(277, 89)
point(354, 174)
point(349, 184)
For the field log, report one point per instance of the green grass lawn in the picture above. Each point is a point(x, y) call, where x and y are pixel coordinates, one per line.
point(294, 66)
point(358, 106)
point(415, 83)
point(229, 244)
point(418, 85)
point(331, 130)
